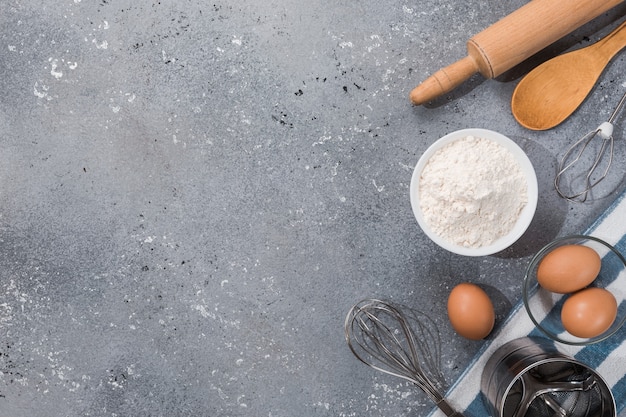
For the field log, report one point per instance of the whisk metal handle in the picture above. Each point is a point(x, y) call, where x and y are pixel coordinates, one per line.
point(617, 109)
point(447, 409)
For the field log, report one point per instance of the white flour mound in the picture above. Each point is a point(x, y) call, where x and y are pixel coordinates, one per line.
point(472, 192)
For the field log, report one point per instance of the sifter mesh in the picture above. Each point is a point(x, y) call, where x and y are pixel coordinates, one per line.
point(568, 403)
point(575, 392)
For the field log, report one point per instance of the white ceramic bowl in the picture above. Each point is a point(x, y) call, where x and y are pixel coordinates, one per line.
point(525, 217)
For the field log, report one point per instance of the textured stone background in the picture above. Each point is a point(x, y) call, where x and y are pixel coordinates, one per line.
point(193, 194)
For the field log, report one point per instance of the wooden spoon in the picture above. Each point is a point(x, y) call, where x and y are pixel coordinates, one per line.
point(550, 93)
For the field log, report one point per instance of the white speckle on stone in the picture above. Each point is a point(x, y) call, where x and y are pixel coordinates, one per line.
point(5, 314)
point(101, 45)
point(222, 394)
point(240, 400)
point(322, 139)
point(203, 311)
point(54, 64)
point(324, 405)
point(407, 167)
point(41, 91)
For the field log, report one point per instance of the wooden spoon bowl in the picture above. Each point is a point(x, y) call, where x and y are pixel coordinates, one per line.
point(551, 92)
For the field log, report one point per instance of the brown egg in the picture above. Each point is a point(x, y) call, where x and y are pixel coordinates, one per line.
point(568, 268)
point(470, 311)
point(589, 312)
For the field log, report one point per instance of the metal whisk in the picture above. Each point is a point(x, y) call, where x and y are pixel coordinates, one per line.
point(398, 341)
point(575, 152)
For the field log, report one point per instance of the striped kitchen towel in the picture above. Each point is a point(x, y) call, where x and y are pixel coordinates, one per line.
point(607, 357)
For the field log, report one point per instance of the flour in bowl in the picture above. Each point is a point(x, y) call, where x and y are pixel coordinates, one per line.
point(472, 191)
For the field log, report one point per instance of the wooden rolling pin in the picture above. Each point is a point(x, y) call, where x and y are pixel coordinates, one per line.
point(511, 40)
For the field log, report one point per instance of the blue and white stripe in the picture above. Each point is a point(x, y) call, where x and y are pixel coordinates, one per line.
point(607, 357)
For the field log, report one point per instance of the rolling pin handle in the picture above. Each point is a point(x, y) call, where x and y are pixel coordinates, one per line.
point(444, 80)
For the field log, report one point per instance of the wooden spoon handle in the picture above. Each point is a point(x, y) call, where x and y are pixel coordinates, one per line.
point(444, 80)
point(614, 42)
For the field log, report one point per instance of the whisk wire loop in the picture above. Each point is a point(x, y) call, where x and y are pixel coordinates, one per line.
point(590, 181)
point(383, 344)
point(595, 173)
point(385, 338)
point(400, 342)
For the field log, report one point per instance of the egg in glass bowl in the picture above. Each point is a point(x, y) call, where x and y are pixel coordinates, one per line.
point(474, 192)
point(574, 290)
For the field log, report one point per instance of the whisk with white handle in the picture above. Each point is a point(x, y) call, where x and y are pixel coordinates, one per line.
point(600, 164)
point(398, 341)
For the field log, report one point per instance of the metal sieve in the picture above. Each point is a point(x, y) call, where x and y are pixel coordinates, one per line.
point(529, 377)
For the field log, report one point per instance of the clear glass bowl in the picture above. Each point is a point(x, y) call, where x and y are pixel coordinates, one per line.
point(544, 307)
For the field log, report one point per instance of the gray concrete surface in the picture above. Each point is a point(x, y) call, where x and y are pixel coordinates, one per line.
point(193, 194)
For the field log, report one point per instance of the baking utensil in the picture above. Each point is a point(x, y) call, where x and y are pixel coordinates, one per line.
point(511, 40)
point(398, 341)
point(534, 387)
point(530, 377)
point(600, 163)
point(551, 92)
